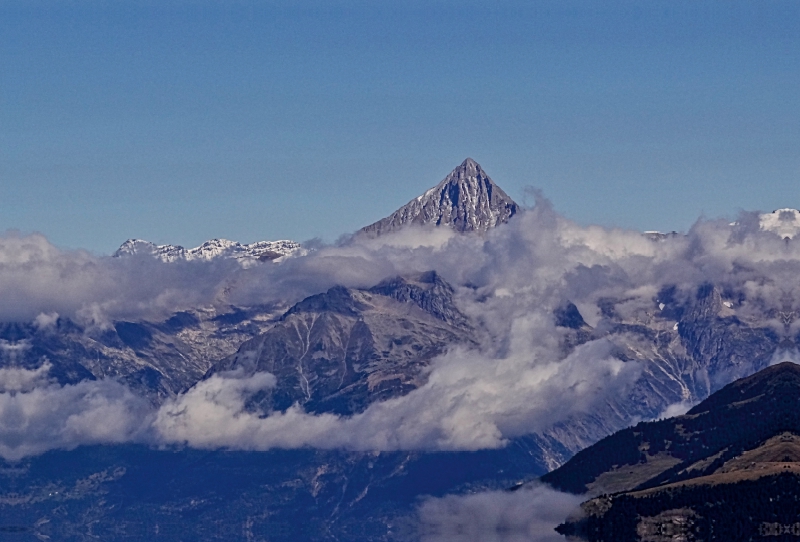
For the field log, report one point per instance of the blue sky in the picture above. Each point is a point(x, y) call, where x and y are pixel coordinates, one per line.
point(178, 121)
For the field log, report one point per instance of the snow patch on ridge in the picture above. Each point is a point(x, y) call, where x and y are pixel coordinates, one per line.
point(215, 248)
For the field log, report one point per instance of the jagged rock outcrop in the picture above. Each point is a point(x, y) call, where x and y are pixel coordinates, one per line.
point(429, 291)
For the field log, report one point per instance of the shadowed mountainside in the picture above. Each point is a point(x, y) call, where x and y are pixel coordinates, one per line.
point(729, 467)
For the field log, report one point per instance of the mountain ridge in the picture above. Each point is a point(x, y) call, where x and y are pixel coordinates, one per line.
point(212, 249)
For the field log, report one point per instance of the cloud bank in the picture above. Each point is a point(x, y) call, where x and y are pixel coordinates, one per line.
point(519, 380)
point(468, 403)
point(37, 415)
point(528, 515)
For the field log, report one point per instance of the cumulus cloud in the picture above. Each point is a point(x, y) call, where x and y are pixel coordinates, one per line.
point(45, 320)
point(39, 280)
point(528, 515)
point(16, 379)
point(469, 403)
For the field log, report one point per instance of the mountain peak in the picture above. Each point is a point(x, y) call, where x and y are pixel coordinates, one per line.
point(469, 163)
point(469, 170)
point(467, 199)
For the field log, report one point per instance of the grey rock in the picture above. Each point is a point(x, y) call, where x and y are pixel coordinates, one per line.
point(466, 200)
point(156, 359)
point(344, 349)
point(690, 345)
point(429, 291)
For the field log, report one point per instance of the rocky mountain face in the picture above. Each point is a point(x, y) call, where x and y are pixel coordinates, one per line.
point(156, 359)
point(343, 349)
point(215, 248)
point(337, 351)
point(686, 347)
point(466, 200)
point(727, 470)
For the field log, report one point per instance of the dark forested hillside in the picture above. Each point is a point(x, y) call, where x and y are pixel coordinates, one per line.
point(727, 470)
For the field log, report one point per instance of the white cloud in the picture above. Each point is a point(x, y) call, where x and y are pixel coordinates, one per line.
point(37, 280)
point(17, 379)
point(785, 354)
point(37, 415)
point(469, 402)
point(45, 320)
point(529, 514)
point(509, 281)
point(675, 409)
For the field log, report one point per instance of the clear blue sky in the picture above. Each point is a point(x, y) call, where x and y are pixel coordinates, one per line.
point(178, 121)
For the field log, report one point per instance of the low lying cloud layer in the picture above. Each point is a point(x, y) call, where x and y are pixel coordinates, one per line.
point(519, 380)
point(469, 403)
point(36, 279)
point(37, 415)
point(537, 259)
point(530, 514)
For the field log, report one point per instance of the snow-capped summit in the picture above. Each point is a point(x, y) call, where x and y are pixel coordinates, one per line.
point(215, 248)
point(466, 200)
point(166, 253)
point(784, 222)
